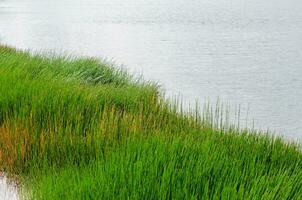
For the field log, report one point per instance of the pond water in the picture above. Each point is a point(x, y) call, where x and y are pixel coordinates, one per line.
point(7, 190)
point(246, 52)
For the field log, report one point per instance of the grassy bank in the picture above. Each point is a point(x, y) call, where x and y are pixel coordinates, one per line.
point(76, 128)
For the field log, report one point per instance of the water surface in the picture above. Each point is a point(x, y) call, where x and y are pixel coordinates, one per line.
point(246, 52)
point(7, 190)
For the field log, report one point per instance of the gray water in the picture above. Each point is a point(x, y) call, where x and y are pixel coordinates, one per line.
point(8, 191)
point(246, 52)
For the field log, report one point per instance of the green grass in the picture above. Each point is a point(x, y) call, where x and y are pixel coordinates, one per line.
point(76, 128)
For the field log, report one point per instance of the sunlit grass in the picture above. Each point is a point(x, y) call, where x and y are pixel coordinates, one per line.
point(76, 128)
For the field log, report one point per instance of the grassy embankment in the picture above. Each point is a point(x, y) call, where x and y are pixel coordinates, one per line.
point(74, 128)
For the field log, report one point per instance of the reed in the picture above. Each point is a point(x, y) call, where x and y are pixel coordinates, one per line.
point(77, 128)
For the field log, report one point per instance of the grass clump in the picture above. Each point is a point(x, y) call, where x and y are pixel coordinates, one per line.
point(76, 128)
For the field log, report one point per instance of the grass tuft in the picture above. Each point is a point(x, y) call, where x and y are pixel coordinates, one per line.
point(77, 128)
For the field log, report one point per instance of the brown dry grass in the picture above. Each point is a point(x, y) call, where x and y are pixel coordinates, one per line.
point(14, 146)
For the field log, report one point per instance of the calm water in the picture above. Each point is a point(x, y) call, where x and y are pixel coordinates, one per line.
point(246, 52)
point(8, 191)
